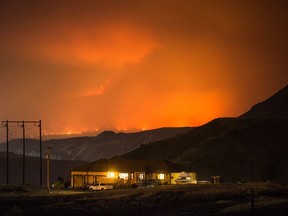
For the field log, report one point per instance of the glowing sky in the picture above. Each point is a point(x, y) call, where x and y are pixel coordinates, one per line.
point(126, 64)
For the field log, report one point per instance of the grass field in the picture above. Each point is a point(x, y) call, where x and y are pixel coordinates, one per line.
point(221, 199)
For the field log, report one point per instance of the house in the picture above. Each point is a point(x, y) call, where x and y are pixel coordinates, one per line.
point(127, 171)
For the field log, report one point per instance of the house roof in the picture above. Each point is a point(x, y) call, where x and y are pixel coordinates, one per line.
point(130, 165)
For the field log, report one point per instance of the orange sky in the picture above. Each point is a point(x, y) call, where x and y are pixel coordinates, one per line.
point(132, 65)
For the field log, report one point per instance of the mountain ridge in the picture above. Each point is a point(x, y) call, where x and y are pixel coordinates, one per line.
point(249, 147)
point(105, 145)
point(275, 106)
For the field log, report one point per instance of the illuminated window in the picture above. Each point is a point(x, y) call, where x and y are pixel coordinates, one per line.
point(161, 176)
point(141, 176)
point(123, 176)
point(111, 175)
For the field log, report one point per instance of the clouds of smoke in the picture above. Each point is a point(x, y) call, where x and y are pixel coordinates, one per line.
point(82, 65)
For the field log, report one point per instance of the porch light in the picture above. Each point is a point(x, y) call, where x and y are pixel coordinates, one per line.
point(161, 176)
point(111, 174)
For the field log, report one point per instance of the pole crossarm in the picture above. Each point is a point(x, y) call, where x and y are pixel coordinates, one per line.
point(20, 123)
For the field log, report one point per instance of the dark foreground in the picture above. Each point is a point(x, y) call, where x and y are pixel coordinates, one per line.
point(222, 199)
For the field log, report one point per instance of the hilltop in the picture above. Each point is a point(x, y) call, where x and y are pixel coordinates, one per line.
point(274, 107)
point(252, 147)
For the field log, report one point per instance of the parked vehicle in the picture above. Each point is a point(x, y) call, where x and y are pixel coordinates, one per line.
point(86, 186)
point(151, 182)
point(101, 186)
point(185, 178)
point(61, 183)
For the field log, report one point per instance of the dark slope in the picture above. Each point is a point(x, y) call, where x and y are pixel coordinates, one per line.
point(105, 145)
point(274, 107)
point(58, 168)
point(253, 147)
point(246, 149)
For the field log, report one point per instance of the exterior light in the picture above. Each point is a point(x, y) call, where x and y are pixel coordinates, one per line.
point(161, 176)
point(111, 174)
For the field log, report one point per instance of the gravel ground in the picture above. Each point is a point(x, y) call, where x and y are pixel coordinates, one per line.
point(222, 199)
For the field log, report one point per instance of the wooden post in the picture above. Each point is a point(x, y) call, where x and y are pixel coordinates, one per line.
point(7, 153)
point(24, 146)
point(48, 168)
point(139, 207)
point(40, 139)
point(252, 201)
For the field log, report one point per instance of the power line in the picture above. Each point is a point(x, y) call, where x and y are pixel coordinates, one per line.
point(8, 124)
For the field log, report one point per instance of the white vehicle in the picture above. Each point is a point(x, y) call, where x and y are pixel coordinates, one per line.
point(185, 178)
point(101, 186)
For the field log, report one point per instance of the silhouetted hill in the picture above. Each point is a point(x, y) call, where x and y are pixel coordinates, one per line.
point(105, 145)
point(58, 168)
point(250, 149)
point(274, 107)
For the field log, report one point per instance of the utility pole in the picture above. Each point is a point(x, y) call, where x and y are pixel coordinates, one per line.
point(24, 146)
point(40, 139)
point(252, 202)
point(48, 168)
point(22, 124)
point(7, 153)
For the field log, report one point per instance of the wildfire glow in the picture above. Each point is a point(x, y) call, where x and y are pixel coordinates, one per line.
point(109, 44)
point(138, 65)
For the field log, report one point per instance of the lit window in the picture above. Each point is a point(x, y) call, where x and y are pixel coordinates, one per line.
point(123, 176)
point(111, 174)
point(161, 176)
point(141, 176)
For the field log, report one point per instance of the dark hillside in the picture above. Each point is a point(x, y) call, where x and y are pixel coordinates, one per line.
point(106, 145)
point(247, 149)
point(274, 107)
point(58, 168)
point(253, 147)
